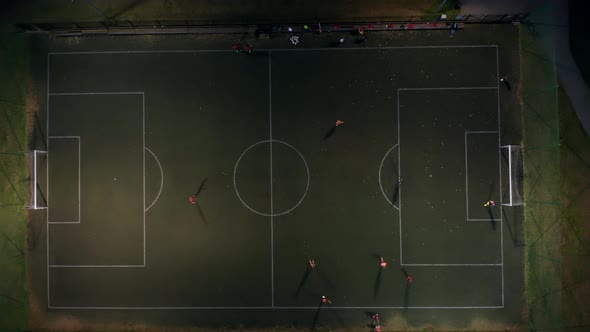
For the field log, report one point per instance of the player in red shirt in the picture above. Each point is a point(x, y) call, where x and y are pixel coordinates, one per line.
point(376, 319)
point(193, 199)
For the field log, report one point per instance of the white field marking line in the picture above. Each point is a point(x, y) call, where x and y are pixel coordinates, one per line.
point(272, 308)
point(79, 180)
point(379, 177)
point(236, 186)
point(34, 182)
point(144, 230)
point(94, 265)
point(161, 178)
point(374, 48)
point(47, 188)
point(509, 172)
point(399, 165)
point(272, 263)
point(466, 181)
point(467, 174)
point(96, 93)
point(455, 264)
point(500, 171)
point(452, 88)
point(143, 150)
point(399, 173)
point(146, 52)
point(312, 308)
point(274, 50)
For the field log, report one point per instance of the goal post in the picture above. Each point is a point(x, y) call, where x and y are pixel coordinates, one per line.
point(513, 195)
point(37, 162)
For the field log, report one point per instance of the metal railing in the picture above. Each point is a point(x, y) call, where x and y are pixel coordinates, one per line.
point(434, 21)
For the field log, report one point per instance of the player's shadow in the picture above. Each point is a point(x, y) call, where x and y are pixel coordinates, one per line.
point(329, 133)
point(492, 218)
point(316, 317)
point(377, 283)
point(395, 195)
point(202, 215)
point(407, 297)
point(407, 291)
point(489, 207)
point(202, 186)
point(303, 280)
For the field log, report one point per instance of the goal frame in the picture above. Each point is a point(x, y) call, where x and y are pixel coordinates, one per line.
point(511, 178)
point(34, 198)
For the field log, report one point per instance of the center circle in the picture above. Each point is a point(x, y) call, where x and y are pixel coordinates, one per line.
point(276, 167)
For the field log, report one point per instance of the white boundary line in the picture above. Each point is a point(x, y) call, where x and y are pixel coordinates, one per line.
point(96, 93)
point(451, 264)
point(466, 180)
point(500, 170)
point(273, 50)
point(94, 265)
point(399, 173)
point(79, 179)
point(143, 150)
point(144, 209)
point(271, 308)
point(47, 184)
point(451, 88)
point(255, 308)
point(482, 132)
point(272, 252)
point(509, 172)
point(35, 181)
point(399, 165)
point(161, 179)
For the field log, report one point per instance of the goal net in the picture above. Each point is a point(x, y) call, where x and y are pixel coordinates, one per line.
point(513, 156)
point(37, 162)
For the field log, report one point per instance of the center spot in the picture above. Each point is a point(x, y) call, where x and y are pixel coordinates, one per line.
point(271, 178)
